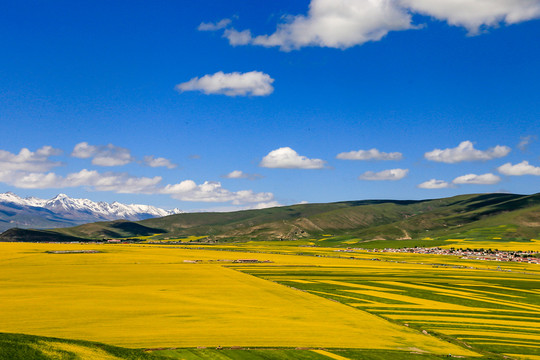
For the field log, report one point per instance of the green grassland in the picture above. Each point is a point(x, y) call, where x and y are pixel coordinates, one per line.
point(29, 347)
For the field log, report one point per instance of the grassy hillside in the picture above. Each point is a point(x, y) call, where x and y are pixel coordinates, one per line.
point(364, 220)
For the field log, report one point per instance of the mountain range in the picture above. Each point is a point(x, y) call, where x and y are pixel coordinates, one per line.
point(63, 211)
point(494, 217)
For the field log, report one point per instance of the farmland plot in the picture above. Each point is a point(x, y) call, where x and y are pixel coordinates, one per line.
point(493, 311)
point(151, 297)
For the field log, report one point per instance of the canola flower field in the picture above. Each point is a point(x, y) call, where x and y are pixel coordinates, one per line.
point(155, 296)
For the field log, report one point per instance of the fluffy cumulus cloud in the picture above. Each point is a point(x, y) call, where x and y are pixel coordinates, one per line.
point(26, 160)
point(485, 179)
point(435, 184)
point(332, 23)
point(238, 174)
point(254, 83)
point(287, 158)
point(475, 15)
point(372, 154)
point(158, 162)
point(103, 155)
point(117, 182)
point(211, 191)
point(523, 168)
point(391, 174)
point(31, 180)
point(346, 23)
point(465, 151)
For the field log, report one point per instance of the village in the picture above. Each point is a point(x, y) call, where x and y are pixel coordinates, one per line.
point(530, 257)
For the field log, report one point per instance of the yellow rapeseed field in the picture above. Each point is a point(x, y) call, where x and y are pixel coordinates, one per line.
point(148, 296)
point(532, 245)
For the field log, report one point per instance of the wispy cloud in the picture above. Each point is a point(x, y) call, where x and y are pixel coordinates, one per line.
point(435, 184)
point(372, 154)
point(209, 26)
point(254, 83)
point(287, 158)
point(391, 174)
point(465, 151)
point(523, 168)
point(103, 155)
point(238, 174)
point(152, 161)
point(485, 179)
point(525, 141)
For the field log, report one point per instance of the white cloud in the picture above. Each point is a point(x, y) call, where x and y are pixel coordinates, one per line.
point(30, 180)
point(523, 168)
point(103, 155)
point(372, 154)
point(152, 161)
point(485, 179)
point(391, 174)
point(186, 190)
point(346, 23)
point(109, 181)
point(337, 24)
point(466, 152)
point(236, 37)
point(287, 158)
point(476, 14)
point(214, 26)
point(525, 141)
point(27, 160)
point(265, 205)
point(253, 83)
point(211, 191)
point(117, 182)
point(238, 174)
point(434, 184)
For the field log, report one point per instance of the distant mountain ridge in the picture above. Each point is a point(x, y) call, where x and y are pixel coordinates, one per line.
point(496, 216)
point(63, 211)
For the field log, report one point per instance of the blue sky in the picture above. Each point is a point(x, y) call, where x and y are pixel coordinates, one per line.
point(242, 104)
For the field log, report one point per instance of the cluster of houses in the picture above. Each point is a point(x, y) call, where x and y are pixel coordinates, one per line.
point(530, 257)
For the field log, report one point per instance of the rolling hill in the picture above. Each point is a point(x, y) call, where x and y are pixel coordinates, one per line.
point(367, 220)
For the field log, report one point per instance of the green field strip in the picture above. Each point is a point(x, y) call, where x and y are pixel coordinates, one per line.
point(523, 356)
point(533, 316)
point(502, 341)
point(332, 295)
point(410, 300)
point(441, 326)
point(359, 286)
point(496, 294)
point(464, 295)
point(468, 334)
point(531, 291)
point(467, 320)
point(456, 325)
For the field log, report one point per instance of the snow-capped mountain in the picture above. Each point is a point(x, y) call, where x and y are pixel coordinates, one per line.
point(62, 210)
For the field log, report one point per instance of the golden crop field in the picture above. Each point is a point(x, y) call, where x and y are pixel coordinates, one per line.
point(532, 245)
point(493, 310)
point(148, 296)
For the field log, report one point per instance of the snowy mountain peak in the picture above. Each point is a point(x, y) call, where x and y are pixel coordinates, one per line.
point(86, 210)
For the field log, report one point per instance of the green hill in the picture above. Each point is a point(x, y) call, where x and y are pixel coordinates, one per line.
point(370, 219)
